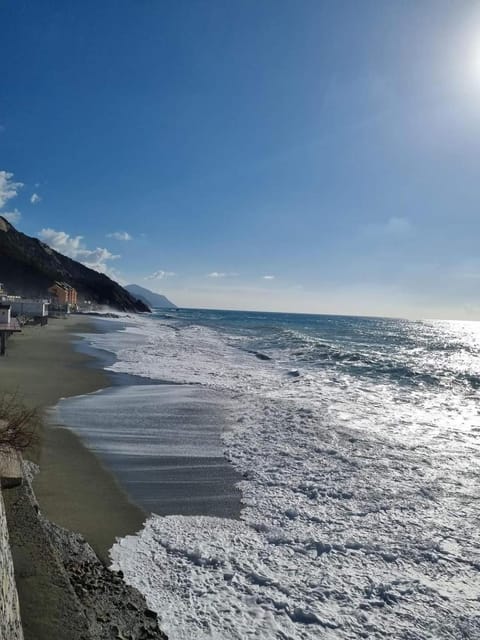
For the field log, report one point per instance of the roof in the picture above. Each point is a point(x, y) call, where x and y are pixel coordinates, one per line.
point(63, 285)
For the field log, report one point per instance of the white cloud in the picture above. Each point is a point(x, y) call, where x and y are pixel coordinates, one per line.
point(119, 235)
point(98, 258)
point(160, 275)
point(220, 274)
point(35, 198)
point(73, 247)
point(60, 241)
point(8, 188)
point(12, 216)
point(268, 277)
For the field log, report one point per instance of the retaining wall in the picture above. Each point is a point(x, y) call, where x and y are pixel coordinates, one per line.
point(10, 624)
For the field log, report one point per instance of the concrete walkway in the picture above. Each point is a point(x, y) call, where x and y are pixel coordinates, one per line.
point(65, 592)
point(49, 607)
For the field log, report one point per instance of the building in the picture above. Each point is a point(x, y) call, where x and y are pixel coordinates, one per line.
point(5, 313)
point(8, 326)
point(63, 295)
point(28, 309)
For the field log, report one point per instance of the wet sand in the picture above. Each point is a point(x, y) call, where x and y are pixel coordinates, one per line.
point(163, 444)
point(73, 488)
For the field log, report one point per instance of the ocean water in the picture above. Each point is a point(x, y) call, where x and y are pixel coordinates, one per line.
point(356, 448)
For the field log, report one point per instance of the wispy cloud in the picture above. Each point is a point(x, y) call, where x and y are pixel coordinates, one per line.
point(8, 187)
point(120, 235)
point(393, 227)
point(12, 216)
point(160, 275)
point(74, 247)
point(468, 269)
point(396, 226)
point(221, 274)
point(268, 277)
point(35, 198)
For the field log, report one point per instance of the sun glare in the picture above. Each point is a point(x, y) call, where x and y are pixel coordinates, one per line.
point(475, 58)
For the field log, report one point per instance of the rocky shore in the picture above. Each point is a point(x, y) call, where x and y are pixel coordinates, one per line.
point(112, 608)
point(60, 572)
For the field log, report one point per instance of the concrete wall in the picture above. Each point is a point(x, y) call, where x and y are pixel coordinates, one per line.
point(10, 625)
point(29, 308)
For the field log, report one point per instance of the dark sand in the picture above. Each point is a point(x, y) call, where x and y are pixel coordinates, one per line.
point(42, 365)
point(181, 485)
point(74, 490)
point(163, 444)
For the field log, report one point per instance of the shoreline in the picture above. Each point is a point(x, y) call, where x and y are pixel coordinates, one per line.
point(73, 485)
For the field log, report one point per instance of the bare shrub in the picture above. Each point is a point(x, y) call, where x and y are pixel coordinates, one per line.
point(18, 423)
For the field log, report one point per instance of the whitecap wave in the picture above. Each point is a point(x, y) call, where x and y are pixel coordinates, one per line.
point(360, 513)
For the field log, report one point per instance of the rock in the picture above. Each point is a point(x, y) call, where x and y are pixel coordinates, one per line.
point(11, 470)
point(150, 614)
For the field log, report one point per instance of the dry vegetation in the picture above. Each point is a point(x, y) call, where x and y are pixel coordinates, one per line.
point(18, 424)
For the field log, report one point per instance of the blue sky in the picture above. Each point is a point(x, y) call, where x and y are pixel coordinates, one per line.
point(197, 147)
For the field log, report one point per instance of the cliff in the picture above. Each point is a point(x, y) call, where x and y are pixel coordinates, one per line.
point(28, 267)
point(152, 299)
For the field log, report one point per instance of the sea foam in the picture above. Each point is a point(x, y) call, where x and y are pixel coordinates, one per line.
point(359, 507)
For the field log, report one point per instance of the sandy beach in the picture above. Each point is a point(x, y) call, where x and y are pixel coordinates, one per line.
point(64, 590)
point(73, 487)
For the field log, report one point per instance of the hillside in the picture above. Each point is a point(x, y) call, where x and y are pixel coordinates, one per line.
point(152, 299)
point(28, 267)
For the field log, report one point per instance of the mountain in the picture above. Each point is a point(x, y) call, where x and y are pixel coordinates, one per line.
point(154, 300)
point(29, 267)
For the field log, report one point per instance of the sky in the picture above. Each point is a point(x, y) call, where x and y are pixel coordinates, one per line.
point(313, 156)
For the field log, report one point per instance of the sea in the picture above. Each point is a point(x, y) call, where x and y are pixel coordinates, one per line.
point(306, 476)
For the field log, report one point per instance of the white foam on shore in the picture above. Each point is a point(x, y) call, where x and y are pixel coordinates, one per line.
point(360, 516)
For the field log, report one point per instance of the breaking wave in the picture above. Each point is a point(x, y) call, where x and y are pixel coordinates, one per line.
point(360, 477)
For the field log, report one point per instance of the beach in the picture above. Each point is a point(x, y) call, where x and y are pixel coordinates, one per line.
point(348, 438)
point(82, 484)
point(69, 510)
point(73, 487)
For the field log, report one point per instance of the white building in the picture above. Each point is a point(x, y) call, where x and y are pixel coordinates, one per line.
point(29, 309)
point(5, 313)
